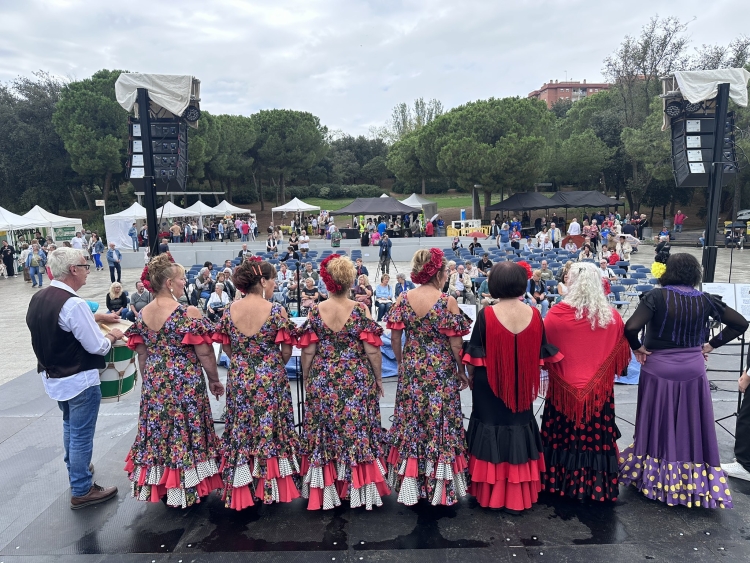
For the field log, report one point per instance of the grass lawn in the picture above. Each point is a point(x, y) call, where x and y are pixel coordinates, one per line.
point(444, 201)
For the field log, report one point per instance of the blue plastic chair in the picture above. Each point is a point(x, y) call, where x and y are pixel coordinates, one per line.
point(616, 299)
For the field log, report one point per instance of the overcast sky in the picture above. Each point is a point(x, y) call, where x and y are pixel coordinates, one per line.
point(346, 61)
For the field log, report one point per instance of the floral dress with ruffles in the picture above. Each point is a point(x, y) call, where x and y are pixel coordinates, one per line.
point(260, 446)
point(342, 436)
point(176, 448)
point(427, 444)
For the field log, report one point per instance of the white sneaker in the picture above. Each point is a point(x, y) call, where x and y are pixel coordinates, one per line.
point(736, 470)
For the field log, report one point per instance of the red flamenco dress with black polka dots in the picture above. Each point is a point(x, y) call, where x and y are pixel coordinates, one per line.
point(505, 448)
point(579, 433)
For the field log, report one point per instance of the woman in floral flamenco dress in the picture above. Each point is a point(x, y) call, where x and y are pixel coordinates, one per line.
point(427, 444)
point(174, 456)
point(342, 437)
point(260, 451)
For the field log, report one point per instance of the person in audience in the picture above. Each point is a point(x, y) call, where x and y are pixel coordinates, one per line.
point(456, 244)
point(484, 264)
point(475, 246)
point(623, 249)
point(574, 228)
point(485, 297)
point(342, 437)
point(113, 261)
point(579, 433)
point(36, 262)
point(402, 284)
point(244, 253)
point(290, 254)
point(471, 270)
point(361, 268)
point(570, 246)
point(308, 272)
point(204, 284)
point(383, 296)
point(586, 253)
point(461, 285)
point(605, 271)
point(528, 245)
point(322, 290)
point(271, 244)
point(217, 302)
point(261, 449)
point(175, 455)
point(562, 286)
point(506, 459)
point(546, 245)
point(310, 295)
point(515, 238)
point(427, 452)
point(555, 236)
point(546, 273)
point(138, 301)
point(536, 292)
point(674, 457)
point(117, 301)
point(304, 243)
point(363, 291)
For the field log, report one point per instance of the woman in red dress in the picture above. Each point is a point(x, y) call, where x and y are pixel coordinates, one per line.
point(579, 433)
point(503, 359)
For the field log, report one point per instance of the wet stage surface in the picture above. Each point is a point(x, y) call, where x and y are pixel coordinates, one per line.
point(37, 525)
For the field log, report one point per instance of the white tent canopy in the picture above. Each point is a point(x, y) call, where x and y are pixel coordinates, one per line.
point(384, 195)
point(295, 206)
point(43, 218)
point(10, 221)
point(415, 200)
point(226, 208)
point(169, 211)
point(134, 212)
point(203, 209)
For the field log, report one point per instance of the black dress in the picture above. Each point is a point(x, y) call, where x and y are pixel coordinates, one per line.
point(7, 253)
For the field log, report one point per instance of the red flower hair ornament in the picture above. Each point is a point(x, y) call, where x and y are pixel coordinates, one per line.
point(525, 265)
point(430, 269)
point(331, 285)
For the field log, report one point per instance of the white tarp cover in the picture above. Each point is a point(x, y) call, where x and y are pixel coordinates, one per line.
point(169, 211)
point(295, 206)
point(117, 225)
point(170, 91)
point(43, 218)
point(698, 85)
point(135, 211)
point(9, 221)
point(203, 209)
point(227, 208)
point(416, 200)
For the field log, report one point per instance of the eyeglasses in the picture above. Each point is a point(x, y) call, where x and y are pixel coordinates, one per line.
point(87, 266)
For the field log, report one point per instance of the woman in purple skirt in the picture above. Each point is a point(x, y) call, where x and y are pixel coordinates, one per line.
point(674, 457)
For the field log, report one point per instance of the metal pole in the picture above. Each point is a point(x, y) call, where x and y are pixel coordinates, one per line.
point(149, 187)
point(716, 173)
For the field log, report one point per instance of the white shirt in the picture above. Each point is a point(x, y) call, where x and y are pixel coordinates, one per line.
point(574, 228)
point(76, 317)
point(304, 241)
point(283, 277)
point(215, 300)
point(606, 273)
point(77, 242)
point(547, 245)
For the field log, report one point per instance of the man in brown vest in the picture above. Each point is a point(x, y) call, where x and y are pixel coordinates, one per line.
point(70, 350)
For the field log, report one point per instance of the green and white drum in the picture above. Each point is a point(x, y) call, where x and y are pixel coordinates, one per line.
point(119, 376)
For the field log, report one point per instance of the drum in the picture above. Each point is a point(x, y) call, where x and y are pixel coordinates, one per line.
point(119, 375)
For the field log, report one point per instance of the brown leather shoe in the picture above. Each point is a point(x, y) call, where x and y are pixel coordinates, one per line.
point(95, 495)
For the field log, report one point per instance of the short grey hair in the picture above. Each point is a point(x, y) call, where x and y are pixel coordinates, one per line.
point(400, 276)
point(219, 285)
point(62, 259)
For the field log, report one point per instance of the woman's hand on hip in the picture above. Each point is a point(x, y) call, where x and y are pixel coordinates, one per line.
point(641, 354)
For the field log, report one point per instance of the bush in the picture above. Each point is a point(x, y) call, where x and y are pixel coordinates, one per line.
point(333, 191)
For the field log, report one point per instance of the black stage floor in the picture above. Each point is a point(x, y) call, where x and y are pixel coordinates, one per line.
point(37, 525)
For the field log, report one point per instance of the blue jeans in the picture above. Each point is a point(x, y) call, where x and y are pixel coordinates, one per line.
point(544, 304)
point(79, 424)
point(135, 243)
point(677, 228)
point(98, 261)
point(36, 271)
point(383, 309)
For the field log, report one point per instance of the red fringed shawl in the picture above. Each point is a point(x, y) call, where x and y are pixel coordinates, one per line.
point(515, 382)
point(584, 379)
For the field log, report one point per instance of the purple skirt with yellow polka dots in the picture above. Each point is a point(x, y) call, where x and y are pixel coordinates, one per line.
point(674, 457)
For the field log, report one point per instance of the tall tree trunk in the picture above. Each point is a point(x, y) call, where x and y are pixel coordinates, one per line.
point(119, 196)
point(73, 198)
point(107, 186)
point(229, 190)
point(260, 194)
point(487, 203)
point(424, 187)
point(672, 206)
point(651, 218)
point(282, 189)
point(87, 195)
point(631, 203)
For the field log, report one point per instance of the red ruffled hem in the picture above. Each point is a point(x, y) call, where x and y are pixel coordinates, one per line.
point(370, 338)
point(194, 339)
point(553, 359)
point(476, 362)
point(242, 497)
point(306, 339)
point(412, 464)
point(362, 474)
point(134, 340)
point(453, 332)
point(395, 325)
point(172, 479)
point(503, 485)
point(283, 336)
point(221, 338)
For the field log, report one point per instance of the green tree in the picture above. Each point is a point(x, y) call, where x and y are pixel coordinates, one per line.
point(581, 159)
point(93, 127)
point(498, 143)
point(288, 143)
point(233, 163)
point(560, 107)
